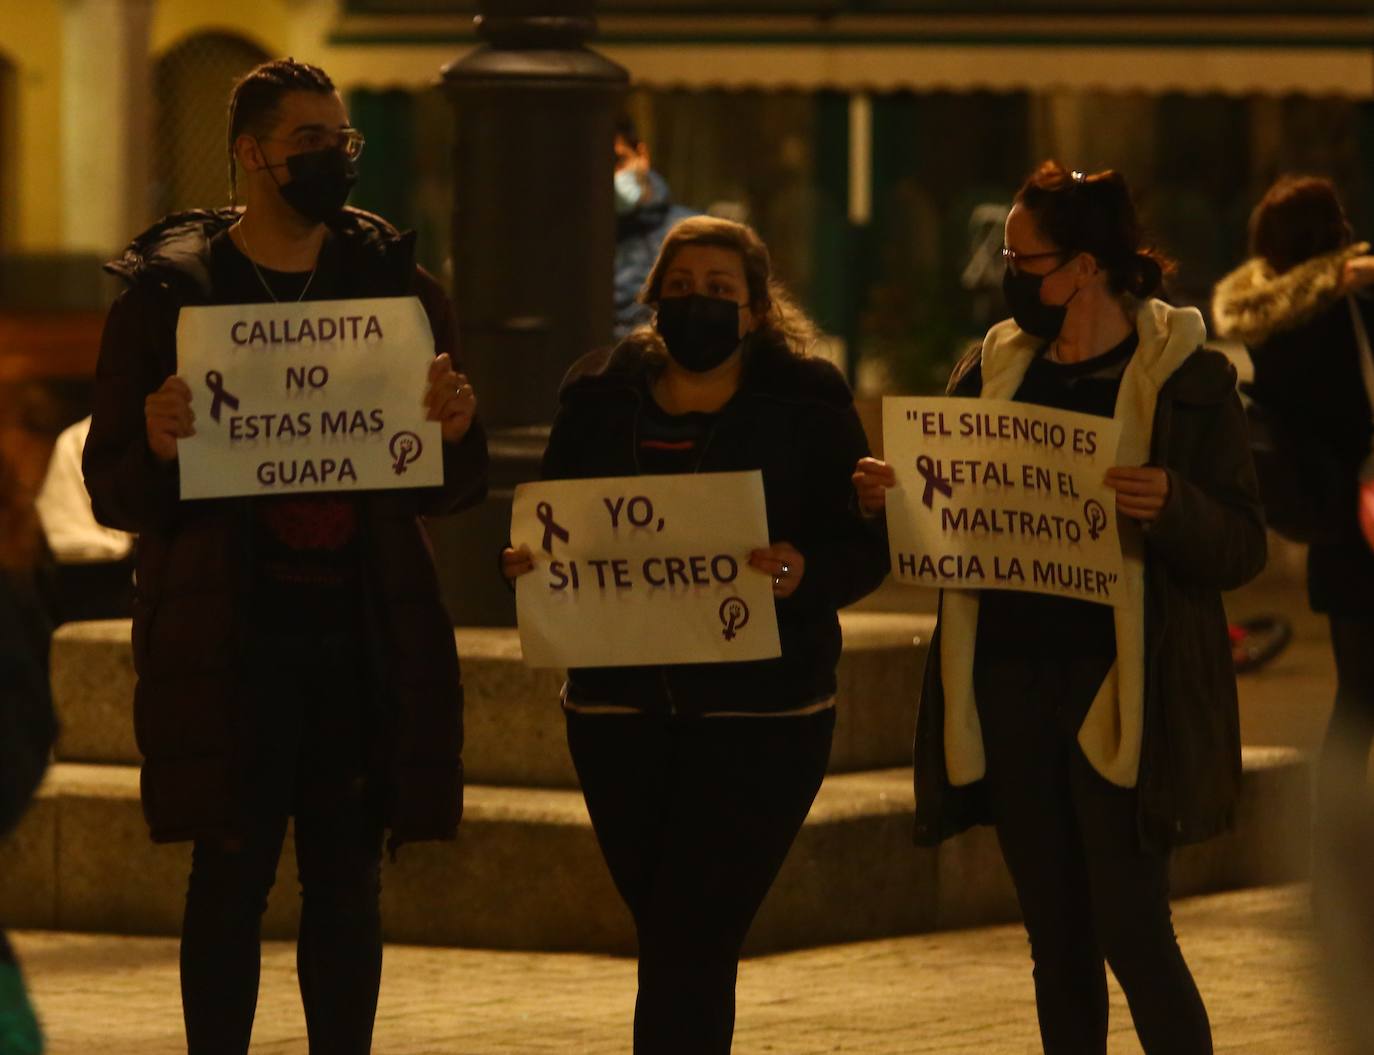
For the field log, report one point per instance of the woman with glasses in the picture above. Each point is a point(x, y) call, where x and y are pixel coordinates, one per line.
point(293, 654)
point(1096, 739)
point(699, 776)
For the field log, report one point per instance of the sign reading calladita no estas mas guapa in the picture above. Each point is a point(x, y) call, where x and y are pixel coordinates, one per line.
point(994, 494)
point(318, 396)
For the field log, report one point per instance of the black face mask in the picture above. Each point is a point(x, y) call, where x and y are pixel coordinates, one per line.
point(700, 332)
point(320, 183)
point(1033, 315)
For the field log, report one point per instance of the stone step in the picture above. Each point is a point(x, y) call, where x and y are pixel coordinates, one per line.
point(526, 873)
point(514, 727)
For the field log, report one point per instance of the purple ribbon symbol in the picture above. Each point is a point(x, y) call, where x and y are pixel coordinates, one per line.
point(551, 527)
point(214, 380)
point(925, 465)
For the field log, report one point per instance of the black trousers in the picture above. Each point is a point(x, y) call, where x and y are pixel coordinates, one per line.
point(695, 818)
point(1344, 759)
point(1087, 889)
point(309, 726)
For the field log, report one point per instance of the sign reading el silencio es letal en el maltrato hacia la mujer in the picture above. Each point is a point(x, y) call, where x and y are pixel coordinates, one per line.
point(309, 397)
point(994, 494)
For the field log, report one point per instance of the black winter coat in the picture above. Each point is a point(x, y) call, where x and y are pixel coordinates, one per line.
point(794, 419)
point(195, 559)
point(1310, 377)
point(1210, 537)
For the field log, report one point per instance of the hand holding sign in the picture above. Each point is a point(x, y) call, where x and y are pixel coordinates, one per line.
point(450, 399)
point(168, 417)
point(784, 563)
point(872, 479)
point(1141, 493)
point(516, 562)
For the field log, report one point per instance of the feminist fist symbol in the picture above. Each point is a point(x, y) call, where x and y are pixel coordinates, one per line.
point(1096, 517)
point(734, 616)
point(405, 448)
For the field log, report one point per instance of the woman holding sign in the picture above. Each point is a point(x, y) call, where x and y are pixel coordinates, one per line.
point(698, 777)
point(1096, 739)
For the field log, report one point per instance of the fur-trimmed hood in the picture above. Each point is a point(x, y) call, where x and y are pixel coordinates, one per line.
point(1253, 303)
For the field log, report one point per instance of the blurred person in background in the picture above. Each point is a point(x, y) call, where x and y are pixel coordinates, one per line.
point(1300, 304)
point(90, 567)
point(644, 213)
point(27, 732)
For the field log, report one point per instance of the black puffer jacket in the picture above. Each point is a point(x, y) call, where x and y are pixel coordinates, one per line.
point(794, 419)
point(192, 606)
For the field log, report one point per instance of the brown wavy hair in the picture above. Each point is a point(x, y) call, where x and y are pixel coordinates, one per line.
point(1094, 213)
point(1298, 218)
point(780, 317)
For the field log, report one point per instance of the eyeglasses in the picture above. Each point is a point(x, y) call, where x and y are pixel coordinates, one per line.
point(309, 140)
point(1015, 259)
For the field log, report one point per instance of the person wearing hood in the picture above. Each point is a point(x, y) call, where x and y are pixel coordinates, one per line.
point(294, 658)
point(1096, 739)
point(1294, 305)
point(699, 776)
point(644, 214)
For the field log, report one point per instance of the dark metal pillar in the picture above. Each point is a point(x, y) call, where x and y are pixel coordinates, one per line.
point(533, 251)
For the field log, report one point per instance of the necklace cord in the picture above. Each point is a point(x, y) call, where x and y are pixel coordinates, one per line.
point(248, 252)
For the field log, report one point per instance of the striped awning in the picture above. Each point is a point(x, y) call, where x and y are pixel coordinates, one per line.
point(1196, 46)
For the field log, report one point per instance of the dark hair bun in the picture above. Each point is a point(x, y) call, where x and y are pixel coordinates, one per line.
point(1145, 276)
point(1082, 213)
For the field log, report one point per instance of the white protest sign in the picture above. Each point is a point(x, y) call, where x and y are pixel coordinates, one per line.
point(995, 494)
point(644, 569)
point(324, 395)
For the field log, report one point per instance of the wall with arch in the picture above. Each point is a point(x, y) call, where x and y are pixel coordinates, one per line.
point(31, 47)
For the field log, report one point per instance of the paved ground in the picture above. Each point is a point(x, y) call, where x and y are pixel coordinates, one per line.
point(951, 993)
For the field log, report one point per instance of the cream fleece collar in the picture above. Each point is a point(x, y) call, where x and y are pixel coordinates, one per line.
point(1111, 734)
point(1252, 303)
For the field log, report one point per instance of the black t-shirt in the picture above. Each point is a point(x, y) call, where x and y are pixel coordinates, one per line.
point(671, 443)
point(306, 546)
point(1023, 624)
